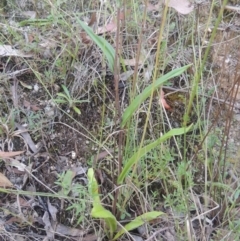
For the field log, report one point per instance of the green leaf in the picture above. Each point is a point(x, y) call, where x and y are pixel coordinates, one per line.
point(77, 110)
point(147, 92)
point(37, 22)
point(141, 152)
point(137, 222)
point(102, 43)
point(63, 95)
point(60, 101)
point(66, 182)
point(65, 89)
point(93, 186)
point(25, 85)
point(98, 210)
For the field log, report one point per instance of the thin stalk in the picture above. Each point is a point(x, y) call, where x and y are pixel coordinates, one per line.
point(199, 72)
point(154, 77)
point(117, 107)
point(134, 82)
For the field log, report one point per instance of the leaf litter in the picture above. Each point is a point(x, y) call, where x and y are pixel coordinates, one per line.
point(5, 155)
point(182, 6)
point(27, 138)
point(4, 182)
point(8, 50)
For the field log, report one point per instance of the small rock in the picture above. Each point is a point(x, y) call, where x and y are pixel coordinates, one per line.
point(136, 238)
point(36, 88)
point(74, 155)
point(49, 111)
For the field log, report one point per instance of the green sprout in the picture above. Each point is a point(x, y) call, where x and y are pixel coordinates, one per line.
point(65, 98)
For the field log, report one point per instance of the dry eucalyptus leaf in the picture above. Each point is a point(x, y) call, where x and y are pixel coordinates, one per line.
point(15, 163)
point(48, 226)
point(4, 182)
point(13, 89)
point(89, 237)
point(7, 50)
point(93, 19)
point(163, 102)
point(52, 210)
point(169, 236)
point(132, 62)
point(14, 74)
point(126, 75)
point(181, 6)
point(4, 154)
point(65, 230)
point(151, 7)
point(26, 137)
point(28, 105)
point(111, 27)
point(79, 170)
point(29, 87)
point(85, 38)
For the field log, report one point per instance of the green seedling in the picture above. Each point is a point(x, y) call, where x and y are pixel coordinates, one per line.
point(144, 150)
point(65, 98)
point(79, 207)
point(137, 222)
point(65, 182)
point(102, 43)
point(130, 110)
point(98, 211)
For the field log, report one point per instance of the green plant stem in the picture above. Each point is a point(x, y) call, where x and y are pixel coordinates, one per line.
point(134, 82)
point(197, 77)
point(117, 107)
point(154, 78)
point(198, 72)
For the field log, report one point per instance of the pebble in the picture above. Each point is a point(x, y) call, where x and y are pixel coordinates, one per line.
point(49, 111)
point(36, 88)
point(74, 155)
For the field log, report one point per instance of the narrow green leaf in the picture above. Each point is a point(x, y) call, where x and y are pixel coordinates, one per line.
point(77, 110)
point(38, 22)
point(98, 210)
point(63, 95)
point(134, 159)
point(65, 89)
point(147, 92)
point(60, 101)
point(25, 85)
point(66, 182)
point(93, 186)
point(102, 43)
point(137, 222)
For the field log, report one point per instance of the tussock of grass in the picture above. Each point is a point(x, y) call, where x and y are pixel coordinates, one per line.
point(82, 110)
